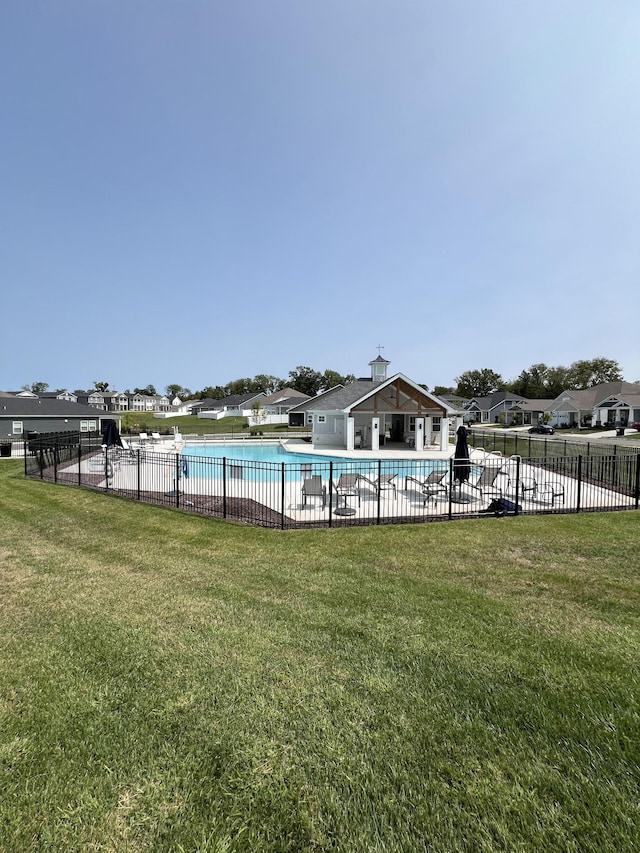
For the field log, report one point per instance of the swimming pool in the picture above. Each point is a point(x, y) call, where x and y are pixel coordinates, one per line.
point(253, 461)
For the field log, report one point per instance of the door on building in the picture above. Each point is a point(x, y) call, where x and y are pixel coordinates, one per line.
point(397, 427)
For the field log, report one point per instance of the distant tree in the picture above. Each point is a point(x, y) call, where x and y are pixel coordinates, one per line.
point(177, 391)
point(241, 386)
point(101, 386)
point(212, 392)
point(586, 374)
point(36, 387)
point(331, 378)
point(439, 390)
point(533, 383)
point(267, 383)
point(558, 380)
point(479, 383)
point(306, 380)
point(149, 391)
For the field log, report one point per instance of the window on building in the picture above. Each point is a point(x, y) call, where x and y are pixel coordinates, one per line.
point(17, 428)
point(321, 419)
point(436, 423)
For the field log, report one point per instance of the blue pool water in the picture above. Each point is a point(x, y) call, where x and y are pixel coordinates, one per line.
point(252, 461)
point(254, 452)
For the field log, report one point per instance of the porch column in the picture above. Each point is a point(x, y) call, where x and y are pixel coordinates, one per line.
point(444, 434)
point(351, 431)
point(375, 434)
point(419, 433)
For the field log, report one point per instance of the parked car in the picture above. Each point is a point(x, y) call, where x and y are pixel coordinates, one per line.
point(635, 426)
point(542, 429)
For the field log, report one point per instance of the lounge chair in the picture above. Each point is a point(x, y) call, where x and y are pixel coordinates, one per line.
point(543, 490)
point(155, 436)
point(383, 483)
point(433, 487)
point(132, 452)
point(486, 482)
point(314, 488)
point(143, 437)
point(347, 486)
point(435, 478)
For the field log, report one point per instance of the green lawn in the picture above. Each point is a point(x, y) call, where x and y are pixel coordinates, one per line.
point(192, 424)
point(173, 683)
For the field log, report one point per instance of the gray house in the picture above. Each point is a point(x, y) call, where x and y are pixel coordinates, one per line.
point(609, 403)
point(19, 415)
point(490, 409)
point(235, 405)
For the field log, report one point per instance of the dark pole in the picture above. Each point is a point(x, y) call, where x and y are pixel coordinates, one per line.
point(282, 488)
point(579, 478)
point(330, 492)
point(224, 486)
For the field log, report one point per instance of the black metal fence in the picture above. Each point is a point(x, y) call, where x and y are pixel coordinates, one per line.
point(323, 493)
point(535, 446)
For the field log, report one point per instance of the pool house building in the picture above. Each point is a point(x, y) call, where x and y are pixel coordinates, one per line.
point(377, 411)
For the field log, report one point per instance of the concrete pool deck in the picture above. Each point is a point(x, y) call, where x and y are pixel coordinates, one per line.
point(160, 470)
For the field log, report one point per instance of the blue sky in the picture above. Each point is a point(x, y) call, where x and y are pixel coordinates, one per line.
point(195, 192)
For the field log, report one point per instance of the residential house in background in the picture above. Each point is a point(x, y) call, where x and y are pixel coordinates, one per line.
point(20, 415)
point(609, 404)
point(237, 405)
point(491, 409)
point(274, 408)
point(527, 412)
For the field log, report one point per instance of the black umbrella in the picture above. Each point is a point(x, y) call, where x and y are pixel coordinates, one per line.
point(461, 465)
point(110, 434)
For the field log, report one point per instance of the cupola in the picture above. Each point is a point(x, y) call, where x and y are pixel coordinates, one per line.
point(379, 369)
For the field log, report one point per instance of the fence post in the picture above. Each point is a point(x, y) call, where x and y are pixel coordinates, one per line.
point(138, 471)
point(224, 486)
point(450, 513)
point(79, 460)
point(177, 479)
point(330, 493)
point(379, 491)
point(637, 480)
point(282, 493)
point(517, 511)
point(579, 489)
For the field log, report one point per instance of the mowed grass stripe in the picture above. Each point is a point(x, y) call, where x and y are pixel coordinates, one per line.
point(174, 683)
